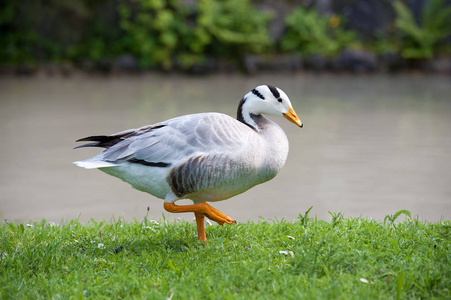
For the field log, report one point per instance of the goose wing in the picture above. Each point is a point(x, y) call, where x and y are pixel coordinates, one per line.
point(178, 139)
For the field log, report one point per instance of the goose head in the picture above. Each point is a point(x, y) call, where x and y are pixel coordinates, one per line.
point(267, 100)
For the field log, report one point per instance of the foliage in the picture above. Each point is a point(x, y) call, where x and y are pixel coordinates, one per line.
point(100, 38)
point(310, 33)
point(164, 32)
point(234, 27)
point(36, 31)
point(168, 34)
point(347, 258)
point(156, 30)
point(422, 41)
point(159, 33)
point(19, 43)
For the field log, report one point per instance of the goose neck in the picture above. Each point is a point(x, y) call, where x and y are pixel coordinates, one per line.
point(255, 121)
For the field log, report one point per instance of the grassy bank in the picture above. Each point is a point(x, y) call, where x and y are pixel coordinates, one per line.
point(347, 258)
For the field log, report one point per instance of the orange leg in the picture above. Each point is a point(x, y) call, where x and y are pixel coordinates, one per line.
point(200, 211)
point(200, 222)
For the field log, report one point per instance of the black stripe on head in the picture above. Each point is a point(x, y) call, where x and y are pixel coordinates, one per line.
point(257, 93)
point(274, 91)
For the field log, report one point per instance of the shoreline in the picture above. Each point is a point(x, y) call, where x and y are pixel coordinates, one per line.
point(348, 62)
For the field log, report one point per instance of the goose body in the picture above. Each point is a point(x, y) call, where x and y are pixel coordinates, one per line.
point(203, 157)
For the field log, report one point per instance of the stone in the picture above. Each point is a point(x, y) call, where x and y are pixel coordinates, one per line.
point(281, 62)
point(126, 63)
point(315, 62)
point(355, 61)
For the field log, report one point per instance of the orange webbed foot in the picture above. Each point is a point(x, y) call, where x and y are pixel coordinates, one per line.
point(200, 211)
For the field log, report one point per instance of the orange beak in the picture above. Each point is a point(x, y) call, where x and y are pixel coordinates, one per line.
point(293, 117)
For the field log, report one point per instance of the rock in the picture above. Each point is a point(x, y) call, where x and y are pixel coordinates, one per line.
point(126, 63)
point(86, 65)
point(369, 18)
point(355, 61)
point(25, 70)
point(57, 69)
point(315, 62)
point(440, 65)
point(250, 63)
point(50, 69)
point(278, 11)
point(67, 69)
point(208, 65)
point(392, 62)
point(282, 62)
point(104, 66)
point(323, 6)
point(276, 25)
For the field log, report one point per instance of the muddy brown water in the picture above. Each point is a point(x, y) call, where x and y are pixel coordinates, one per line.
point(370, 146)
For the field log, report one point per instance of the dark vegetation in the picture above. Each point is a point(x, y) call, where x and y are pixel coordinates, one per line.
point(206, 36)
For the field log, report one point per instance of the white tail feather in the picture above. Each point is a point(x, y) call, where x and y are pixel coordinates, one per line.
point(94, 164)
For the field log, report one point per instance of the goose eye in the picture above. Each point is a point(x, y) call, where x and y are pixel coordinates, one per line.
point(279, 99)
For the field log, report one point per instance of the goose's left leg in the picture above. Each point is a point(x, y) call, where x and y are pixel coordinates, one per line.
point(200, 222)
point(200, 211)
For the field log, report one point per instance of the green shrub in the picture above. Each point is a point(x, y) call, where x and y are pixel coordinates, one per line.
point(310, 33)
point(101, 38)
point(155, 30)
point(21, 38)
point(161, 33)
point(424, 40)
point(171, 34)
point(233, 27)
point(47, 31)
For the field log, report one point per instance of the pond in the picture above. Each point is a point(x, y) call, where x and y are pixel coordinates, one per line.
point(371, 145)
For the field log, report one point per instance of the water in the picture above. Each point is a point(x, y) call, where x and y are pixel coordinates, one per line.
point(370, 146)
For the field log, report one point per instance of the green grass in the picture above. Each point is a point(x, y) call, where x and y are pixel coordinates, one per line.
point(347, 258)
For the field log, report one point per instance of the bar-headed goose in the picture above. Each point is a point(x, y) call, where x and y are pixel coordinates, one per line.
point(204, 157)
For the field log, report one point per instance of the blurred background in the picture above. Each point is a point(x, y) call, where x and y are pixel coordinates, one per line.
point(369, 79)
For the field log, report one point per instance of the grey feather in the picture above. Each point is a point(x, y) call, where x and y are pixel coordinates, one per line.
point(179, 138)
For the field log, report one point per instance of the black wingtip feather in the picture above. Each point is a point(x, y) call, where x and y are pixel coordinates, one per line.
point(96, 138)
point(88, 145)
point(106, 141)
point(102, 141)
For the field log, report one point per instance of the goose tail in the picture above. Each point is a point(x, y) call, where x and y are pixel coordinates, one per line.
point(94, 163)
